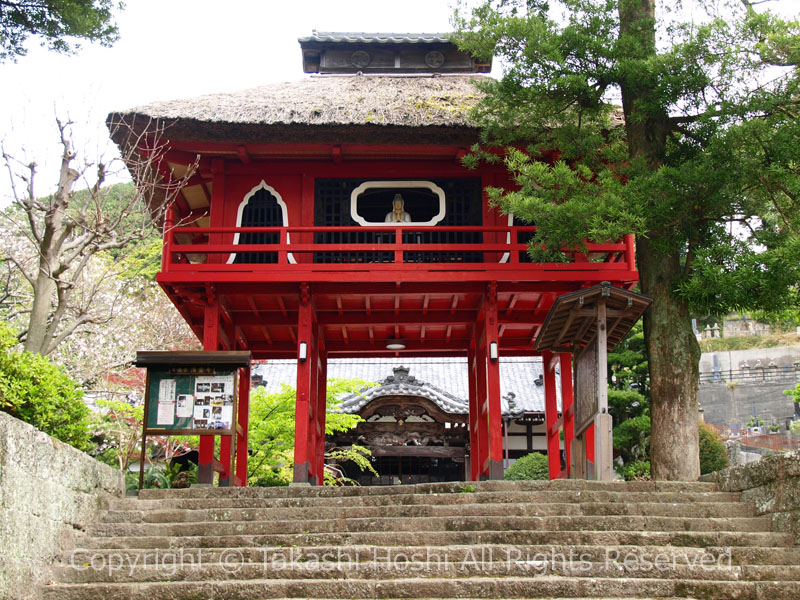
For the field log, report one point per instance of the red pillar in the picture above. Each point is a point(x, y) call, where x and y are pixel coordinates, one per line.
point(242, 420)
point(322, 404)
point(495, 416)
point(474, 413)
point(551, 416)
point(211, 318)
point(483, 408)
point(567, 406)
point(302, 430)
point(205, 467)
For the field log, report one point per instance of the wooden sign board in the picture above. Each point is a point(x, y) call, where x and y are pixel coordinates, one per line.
point(586, 384)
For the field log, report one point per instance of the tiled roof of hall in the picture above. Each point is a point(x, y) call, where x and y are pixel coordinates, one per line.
point(444, 381)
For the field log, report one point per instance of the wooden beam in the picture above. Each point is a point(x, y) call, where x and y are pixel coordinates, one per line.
point(244, 155)
point(512, 303)
point(422, 451)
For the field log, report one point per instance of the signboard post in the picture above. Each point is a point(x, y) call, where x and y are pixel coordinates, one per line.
point(192, 393)
point(588, 323)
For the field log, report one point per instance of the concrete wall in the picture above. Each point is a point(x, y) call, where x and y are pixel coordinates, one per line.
point(726, 404)
point(730, 395)
point(772, 484)
point(49, 492)
point(783, 356)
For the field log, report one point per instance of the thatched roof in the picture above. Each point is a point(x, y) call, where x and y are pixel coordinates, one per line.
point(330, 108)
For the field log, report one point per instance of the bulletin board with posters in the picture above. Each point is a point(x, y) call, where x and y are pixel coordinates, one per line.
point(192, 393)
point(191, 400)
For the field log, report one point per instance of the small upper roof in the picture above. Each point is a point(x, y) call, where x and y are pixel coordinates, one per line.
point(354, 37)
point(352, 52)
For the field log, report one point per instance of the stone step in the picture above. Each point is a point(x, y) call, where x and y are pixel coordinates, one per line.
point(778, 557)
point(471, 587)
point(176, 499)
point(575, 485)
point(702, 539)
point(665, 565)
point(431, 524)
point(660, 509)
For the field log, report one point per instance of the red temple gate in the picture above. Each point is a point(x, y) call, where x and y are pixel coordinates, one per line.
point(277, 242)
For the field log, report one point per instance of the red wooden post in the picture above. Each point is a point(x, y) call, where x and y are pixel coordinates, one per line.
point(492, 355)
point(398, 245)
point(302, 433)
point(205, 467)
point(313, 408)
point(225, 459)
point(166, 251)
point(483, 411)
point(242, 419)
point(322, 392)
point(474, 414)
point(567, 407)
point(551, 416)
point(630, 252)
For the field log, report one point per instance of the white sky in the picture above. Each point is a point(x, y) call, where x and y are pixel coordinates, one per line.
point(172, 49)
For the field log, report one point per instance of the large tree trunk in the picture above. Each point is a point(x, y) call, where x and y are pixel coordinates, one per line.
point(673, 355)
point(672, 350)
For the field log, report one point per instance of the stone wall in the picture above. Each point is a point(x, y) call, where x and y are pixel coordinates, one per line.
point(49, 492)
point(772, 484)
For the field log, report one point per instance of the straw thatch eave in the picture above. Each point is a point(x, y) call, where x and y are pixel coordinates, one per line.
point(323, 109)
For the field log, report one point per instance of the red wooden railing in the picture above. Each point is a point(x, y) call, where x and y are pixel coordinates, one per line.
point(198, 249)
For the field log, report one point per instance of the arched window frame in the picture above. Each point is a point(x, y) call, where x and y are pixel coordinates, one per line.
point(246, 200)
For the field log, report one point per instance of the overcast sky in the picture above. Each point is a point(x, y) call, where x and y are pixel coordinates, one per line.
point(176, 49)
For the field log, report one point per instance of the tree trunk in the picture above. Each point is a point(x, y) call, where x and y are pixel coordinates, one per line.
point(44, 290)
point(673, 356)
point(672, 350)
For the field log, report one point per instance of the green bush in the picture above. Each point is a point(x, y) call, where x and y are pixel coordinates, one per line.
point(530, 466)
point(632, 439)
point(38, 392)
point(713, 456)
point(638, 469)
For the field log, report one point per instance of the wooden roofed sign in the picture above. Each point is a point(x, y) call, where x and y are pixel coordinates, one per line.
point(589, 323)
point(191, 393)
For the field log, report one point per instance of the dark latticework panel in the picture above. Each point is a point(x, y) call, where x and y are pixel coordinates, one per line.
point(332, 208)
point(462, 207)
point(262, 210)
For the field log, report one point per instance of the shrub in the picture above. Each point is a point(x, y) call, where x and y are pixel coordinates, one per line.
point(632, 439)
point(38, 392)
point(713, 456)
point(530, 466)
point(638, 469)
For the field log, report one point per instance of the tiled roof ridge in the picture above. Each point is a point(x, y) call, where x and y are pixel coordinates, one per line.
point(362, 37)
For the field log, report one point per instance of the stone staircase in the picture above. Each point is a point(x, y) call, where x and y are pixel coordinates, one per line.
point(560, 539)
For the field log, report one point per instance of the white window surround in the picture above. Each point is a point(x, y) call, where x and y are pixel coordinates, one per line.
point(245, 201)
point(396, 184)
point(507, 256)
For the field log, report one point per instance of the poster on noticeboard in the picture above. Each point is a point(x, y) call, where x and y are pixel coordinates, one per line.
point(192, 402)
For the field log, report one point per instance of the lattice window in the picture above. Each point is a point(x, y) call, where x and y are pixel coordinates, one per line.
point(463, 207)
point(261, 208)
